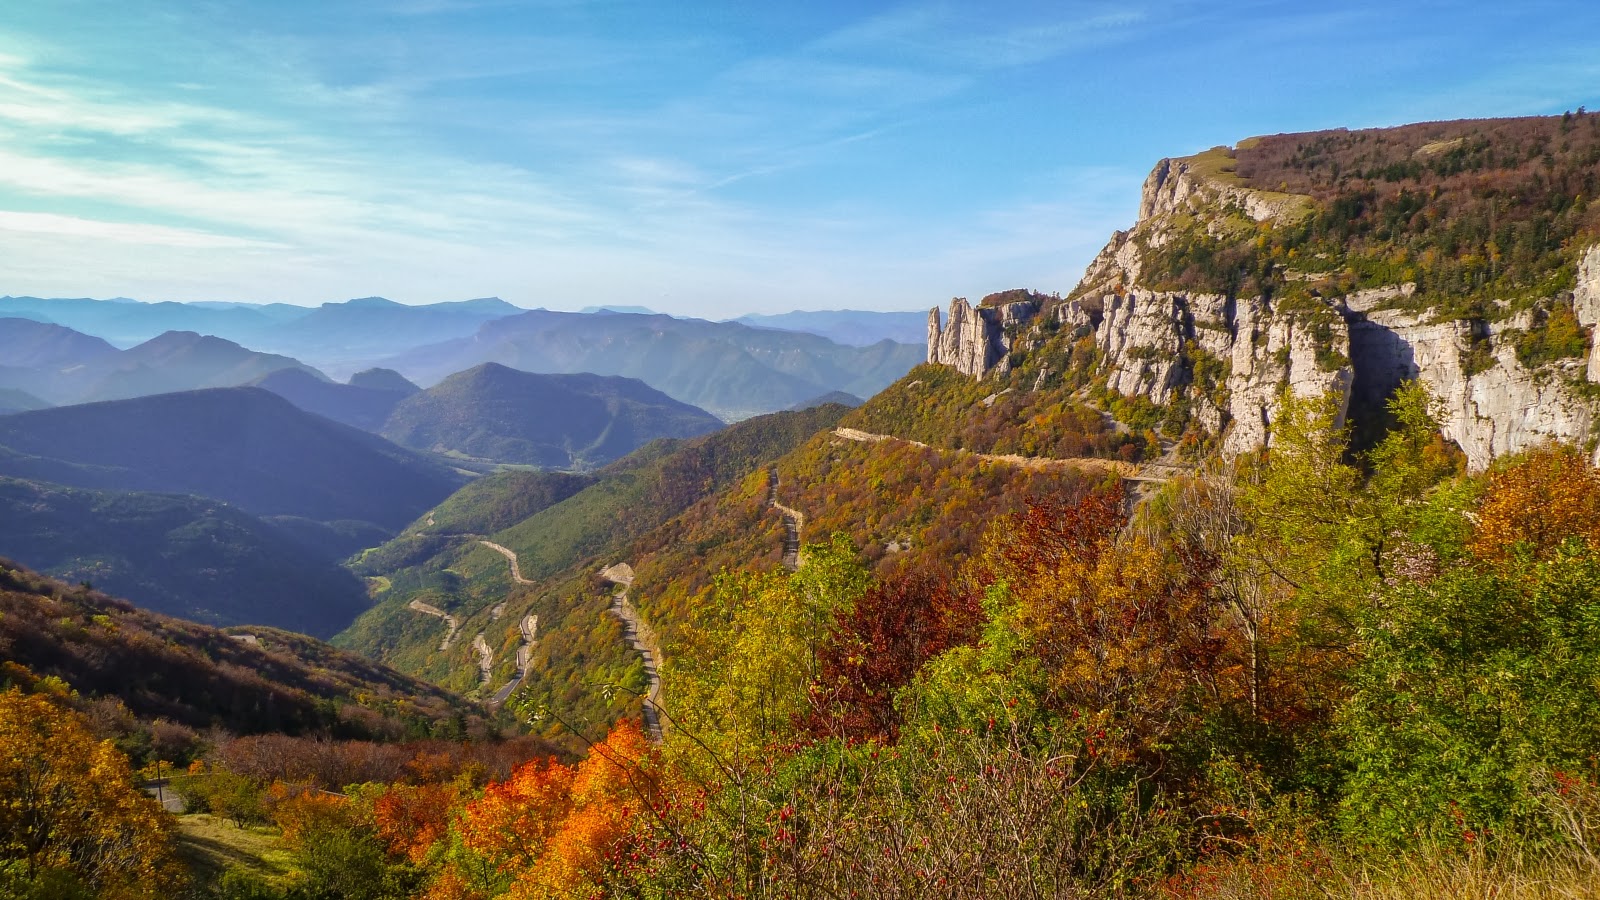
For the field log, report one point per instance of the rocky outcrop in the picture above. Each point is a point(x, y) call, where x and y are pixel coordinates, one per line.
point(1153, 343)
point(1178, 183)
point(977, 341)
point(1489, 403)
point(1231, 359)
point(1586, 303)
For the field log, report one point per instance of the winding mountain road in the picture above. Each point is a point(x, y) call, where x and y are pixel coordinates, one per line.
point(642, 638)
point(793, 521)
point(1153, 473)
point(453, 624)
point(529, 626)
point(485, 658)
point(511, 557)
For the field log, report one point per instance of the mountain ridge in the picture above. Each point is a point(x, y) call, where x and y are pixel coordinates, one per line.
point(502, 414)
point(243, 445)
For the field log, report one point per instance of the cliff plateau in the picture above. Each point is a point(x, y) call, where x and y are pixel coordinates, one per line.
point(1227, 355)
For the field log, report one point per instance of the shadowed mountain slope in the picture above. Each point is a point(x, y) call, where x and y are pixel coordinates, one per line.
point(12, 400)
point(186, 361)
point(29, 344)
point(358, 406)
point(178, 555)
point(195, 675)
point(556, 421)
point(63, 366)
point(242, 445)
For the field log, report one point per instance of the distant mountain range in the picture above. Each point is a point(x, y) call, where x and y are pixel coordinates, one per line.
point(183, 556)
point(365, 403)
point(855, 327)
point(246, 446)
point(330, 334)
point(554, 421)
point(727, 368)
point(59, 365)
point(63, 351)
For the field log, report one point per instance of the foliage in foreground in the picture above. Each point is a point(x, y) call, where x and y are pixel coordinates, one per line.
point(1298, 676)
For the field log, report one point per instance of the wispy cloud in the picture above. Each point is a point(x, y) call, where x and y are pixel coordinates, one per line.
point(692, 158)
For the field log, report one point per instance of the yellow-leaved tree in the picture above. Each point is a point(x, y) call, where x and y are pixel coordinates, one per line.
point(72, 821)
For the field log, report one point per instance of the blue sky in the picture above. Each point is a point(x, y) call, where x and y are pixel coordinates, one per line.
point(698, 158)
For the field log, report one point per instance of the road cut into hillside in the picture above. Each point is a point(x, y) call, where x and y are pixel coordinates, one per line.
point(793, 521)
point(1145, 474)
point(641, 637)
point(452, 623)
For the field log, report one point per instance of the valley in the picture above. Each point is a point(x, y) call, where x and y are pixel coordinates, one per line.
point(1262, 562)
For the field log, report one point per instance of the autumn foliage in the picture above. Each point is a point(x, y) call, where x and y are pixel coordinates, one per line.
point(69, 809)
point(1539, 501)
point(1125, 629)
point(877, 645)
point(548, 828)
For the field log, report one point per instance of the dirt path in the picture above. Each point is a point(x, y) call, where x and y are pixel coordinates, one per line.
point(793, 521)
point(511, 557)
point(453, 623)
point(1150, 473)
point(529, 627)
point(642, 638)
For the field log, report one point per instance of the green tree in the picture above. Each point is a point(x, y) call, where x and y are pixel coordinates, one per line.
point(1472, 688)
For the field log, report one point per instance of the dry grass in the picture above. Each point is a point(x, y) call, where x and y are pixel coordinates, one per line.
point(1423, 877)
point(210, 846)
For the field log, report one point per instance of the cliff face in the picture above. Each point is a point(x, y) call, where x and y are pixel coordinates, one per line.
point(1493, 407)
point(977, 341)
point(1229, 358)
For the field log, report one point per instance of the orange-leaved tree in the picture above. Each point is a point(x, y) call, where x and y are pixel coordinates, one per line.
point(551, 828)
point(70, 811)
point(1125, 628)
point(413, 819)
point(1537, 502)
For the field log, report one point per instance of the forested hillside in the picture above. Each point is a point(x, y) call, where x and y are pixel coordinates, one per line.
point(1263, 565)
point(242, 445)
point(560, 546)
point(497, 414)
point(139, 668)
point(183, 556)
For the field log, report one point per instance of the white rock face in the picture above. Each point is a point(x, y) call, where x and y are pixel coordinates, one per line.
point(977, 342)
point(1586, 303)
point(1148, 338)
point(1175, 184)
point(1142, 334)
point(1506, 408)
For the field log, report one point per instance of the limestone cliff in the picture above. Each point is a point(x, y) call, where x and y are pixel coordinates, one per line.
point(1228, 358)
point(977, 341)
point(1490, 403)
